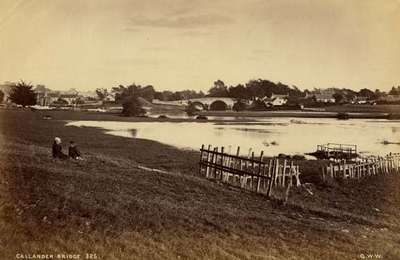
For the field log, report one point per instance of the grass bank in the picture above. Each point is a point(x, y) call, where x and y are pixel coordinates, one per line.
point(107, 205)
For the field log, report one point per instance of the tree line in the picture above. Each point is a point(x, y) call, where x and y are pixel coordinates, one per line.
point(134, 96)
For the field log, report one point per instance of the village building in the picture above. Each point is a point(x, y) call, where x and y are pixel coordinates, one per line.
point(322, 96)
point(360, 100)
point(110, 97)
point(390, 98)
point(6, 88)
point(45, 96)
point(69, 98)
point(276, 100)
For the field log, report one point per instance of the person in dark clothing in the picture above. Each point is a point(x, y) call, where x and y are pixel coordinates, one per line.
point(57, 149)
point(73, 151)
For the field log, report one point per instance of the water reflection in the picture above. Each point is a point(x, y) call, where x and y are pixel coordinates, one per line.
point(272, 135)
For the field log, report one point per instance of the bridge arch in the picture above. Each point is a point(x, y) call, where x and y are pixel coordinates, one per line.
point(218, 105)
point(198, 105)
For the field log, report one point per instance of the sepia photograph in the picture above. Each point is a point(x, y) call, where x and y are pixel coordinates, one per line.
point(189, 129)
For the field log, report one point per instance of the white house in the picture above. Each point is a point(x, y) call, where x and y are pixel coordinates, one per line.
point(110, 97)
point(324, 98)
point(276, 100)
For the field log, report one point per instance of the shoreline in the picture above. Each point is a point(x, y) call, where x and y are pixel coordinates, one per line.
point(294, 113)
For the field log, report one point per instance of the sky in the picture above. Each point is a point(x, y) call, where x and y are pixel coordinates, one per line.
point(188, 44)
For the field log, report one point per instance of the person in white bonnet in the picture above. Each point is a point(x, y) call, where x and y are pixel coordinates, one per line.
point(57, 149)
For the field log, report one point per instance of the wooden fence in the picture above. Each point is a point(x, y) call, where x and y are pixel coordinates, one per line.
point(257, 174)
point(332, 149)
point(365, 167)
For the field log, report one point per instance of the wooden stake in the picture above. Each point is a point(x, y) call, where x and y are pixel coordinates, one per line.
point(259, 172)
point(208, 160)
point(201, 158)
point(284, 173)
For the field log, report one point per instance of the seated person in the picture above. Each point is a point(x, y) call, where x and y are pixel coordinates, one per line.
point(73, 151)
point(57, 149)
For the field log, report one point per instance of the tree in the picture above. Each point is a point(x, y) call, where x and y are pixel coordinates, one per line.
point(118, 93)
point(238, 92)
point(338, 97)
point(239, 106)
point(132, 107)
point(60, 102)
point(132, 97)
point(369, 94)
point(192, 107)
point(258, 104)
point(1, 96)
point(395, 91)
point(218, 90)
point(379, 93)
point(163, 96)
point(123, 93)
point(22, 94)
point(256, 89)
point(147, 92)
point(102, 93)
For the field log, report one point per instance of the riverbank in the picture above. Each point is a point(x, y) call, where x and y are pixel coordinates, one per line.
point(293, 113)
point(332, 111)
point(109, 206)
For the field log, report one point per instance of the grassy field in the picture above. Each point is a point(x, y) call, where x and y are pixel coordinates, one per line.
point(108, 206)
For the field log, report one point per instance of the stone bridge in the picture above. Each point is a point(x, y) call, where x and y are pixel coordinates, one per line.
point(213, 103)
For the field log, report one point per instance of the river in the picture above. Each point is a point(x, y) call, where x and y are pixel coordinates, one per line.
point(271, 135)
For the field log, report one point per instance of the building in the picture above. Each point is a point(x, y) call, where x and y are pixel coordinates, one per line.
point(45, 96)
point(6, 89)
point(390, 98)
point(322, 96)
point(110, 97)
point(70, 98)
point(276, 100)
point(360, 100)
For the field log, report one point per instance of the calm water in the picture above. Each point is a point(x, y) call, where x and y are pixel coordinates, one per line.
point(272, 135)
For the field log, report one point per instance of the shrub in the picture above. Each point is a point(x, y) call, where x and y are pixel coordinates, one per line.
point(22, 94)
point(258, 105)
point(239, 106)
point(132, 107)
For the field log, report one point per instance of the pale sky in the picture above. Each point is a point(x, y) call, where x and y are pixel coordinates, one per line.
point(188, 44)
